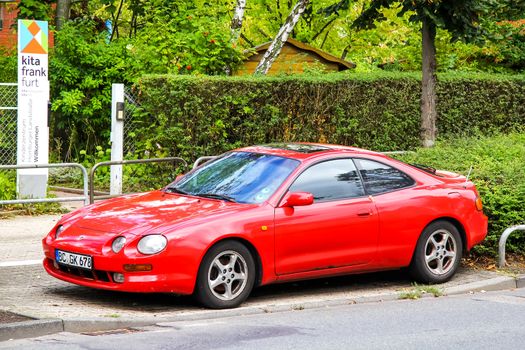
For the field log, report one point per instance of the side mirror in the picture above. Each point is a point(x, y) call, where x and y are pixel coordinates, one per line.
point(179, 177)
point(297, 199)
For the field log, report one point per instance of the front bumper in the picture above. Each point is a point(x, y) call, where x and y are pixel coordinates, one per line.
point(133, 281)
point(161, 279)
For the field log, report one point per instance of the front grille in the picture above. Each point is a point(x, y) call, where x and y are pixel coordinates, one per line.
point(96, 275)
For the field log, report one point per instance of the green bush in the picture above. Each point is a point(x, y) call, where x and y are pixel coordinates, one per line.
point(194, 116)
point(498, 172)
point(82, 68)
point(207, 115)
point(8, 65)
point(7, 185)
point(8, 192)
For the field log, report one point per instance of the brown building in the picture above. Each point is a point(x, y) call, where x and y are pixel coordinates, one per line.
point(295, 56)
point(8, 15)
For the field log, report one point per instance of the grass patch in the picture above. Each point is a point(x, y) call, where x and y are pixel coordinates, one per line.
point(30, 209)
point(418, 291)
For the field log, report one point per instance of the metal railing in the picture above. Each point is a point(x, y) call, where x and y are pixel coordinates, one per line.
point(124, 162)
point(84, 198)
point(202, 160)
point(503, 241)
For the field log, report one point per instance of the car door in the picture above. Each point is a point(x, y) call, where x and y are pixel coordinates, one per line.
point(339, 229)
point(399, 203)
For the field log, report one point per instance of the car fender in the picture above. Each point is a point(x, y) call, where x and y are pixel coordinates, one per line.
point(191, 244)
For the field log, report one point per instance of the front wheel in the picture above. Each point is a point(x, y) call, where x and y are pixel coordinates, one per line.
point(438, 253)
point(226, 276)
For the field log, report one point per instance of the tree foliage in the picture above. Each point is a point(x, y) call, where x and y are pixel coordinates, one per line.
point(392, 44)
point(179, 37)
point(35, 9)
point(106, 41)
point(460, 18)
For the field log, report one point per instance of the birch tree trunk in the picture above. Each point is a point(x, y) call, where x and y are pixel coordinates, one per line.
point(236, 24)
point(428, 84)
point(281, 37)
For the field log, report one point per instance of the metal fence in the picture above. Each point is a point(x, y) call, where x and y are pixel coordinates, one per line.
point(8, 119)
point(132, 104)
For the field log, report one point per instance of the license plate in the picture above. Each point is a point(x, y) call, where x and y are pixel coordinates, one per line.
point(71, 259)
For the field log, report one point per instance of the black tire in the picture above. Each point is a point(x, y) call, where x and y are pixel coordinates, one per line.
point(433, 261)
point(235, 278)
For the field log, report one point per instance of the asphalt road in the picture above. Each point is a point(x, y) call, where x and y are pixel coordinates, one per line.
point(492, 320)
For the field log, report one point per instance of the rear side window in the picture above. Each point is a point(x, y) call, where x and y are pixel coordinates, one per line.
point(380, 178)
point(330, 180)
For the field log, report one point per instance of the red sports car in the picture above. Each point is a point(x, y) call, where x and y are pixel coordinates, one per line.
point(271, 213)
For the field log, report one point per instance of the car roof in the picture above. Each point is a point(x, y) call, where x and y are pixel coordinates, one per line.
point(305, 150)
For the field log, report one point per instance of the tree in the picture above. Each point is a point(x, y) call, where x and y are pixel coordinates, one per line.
point(238, 16)
point(460, 18)
point(62, 13)
point(277, 44)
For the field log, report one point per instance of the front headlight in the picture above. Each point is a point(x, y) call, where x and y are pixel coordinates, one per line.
point(152, 244)
point(59, 230)
point(118, 244)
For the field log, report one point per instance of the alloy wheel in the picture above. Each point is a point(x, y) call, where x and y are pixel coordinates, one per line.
point(228, 275)
point(440, 252)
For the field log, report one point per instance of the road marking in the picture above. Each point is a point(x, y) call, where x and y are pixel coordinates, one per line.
point(20, 263)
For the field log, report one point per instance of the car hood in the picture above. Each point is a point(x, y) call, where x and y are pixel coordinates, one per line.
point(139, 213)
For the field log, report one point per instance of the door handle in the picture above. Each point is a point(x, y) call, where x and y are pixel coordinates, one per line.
point(365, 213)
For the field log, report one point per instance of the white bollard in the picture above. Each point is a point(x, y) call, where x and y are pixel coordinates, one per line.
point(117, 137)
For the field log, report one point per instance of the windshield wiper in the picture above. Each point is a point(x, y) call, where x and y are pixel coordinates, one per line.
point(175, 190)
point(216, 196)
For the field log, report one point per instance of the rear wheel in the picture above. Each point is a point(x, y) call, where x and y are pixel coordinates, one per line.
point(438, 253)
point(226, 276)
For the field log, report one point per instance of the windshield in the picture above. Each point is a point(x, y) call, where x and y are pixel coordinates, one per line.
point(237, 177)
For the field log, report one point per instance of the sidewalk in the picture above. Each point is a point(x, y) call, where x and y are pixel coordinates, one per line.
point(27, 290)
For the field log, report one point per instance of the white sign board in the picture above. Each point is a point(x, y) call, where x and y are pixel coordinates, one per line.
point(33, 98)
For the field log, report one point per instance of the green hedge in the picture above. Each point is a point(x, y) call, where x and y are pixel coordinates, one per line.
point(499, 174)
point(192, 116)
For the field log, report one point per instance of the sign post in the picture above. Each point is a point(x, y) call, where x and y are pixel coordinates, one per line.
point(33, 98)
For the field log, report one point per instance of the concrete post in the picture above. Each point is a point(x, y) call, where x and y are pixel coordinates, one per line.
point(117, 137)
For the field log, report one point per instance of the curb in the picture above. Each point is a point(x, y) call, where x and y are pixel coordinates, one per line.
point(520, 281)
point(98, 325)
point(493, 284)
point(31, 329)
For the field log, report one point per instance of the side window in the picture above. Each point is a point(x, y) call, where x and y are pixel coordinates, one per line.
point(330, 180)
point(381, 178)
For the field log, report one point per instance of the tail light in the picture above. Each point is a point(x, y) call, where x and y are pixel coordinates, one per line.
point(479, 204)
